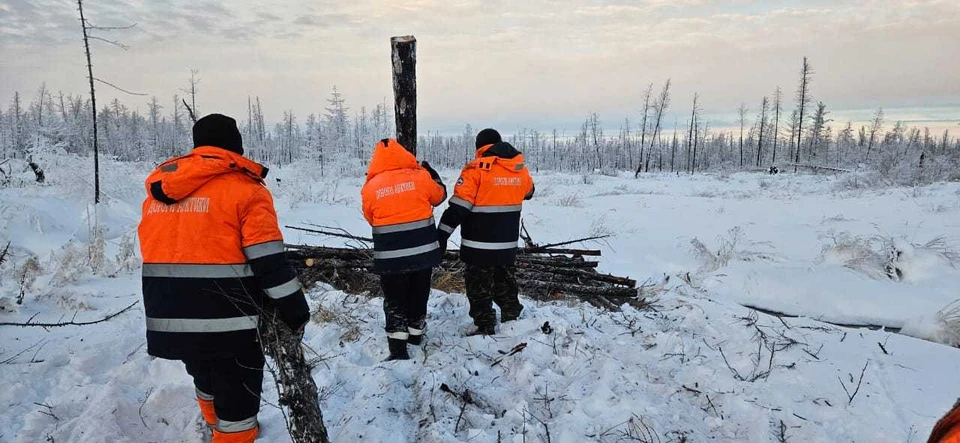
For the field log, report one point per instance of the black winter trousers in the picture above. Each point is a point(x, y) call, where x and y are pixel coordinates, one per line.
point(234, 383)
point(405, 301)
point(487, 285)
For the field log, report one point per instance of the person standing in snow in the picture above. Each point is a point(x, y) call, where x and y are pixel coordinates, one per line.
point(487, 202)
point(398, 201)
point(212, 256)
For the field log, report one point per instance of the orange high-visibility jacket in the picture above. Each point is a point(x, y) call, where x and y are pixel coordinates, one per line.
point(398, 201)
point(947, 429)
point(487, 202)
point(211, 250)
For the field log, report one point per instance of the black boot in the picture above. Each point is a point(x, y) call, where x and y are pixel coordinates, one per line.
point(483, 330)
point(415, 340)
point(417, 333)
point(398, 349)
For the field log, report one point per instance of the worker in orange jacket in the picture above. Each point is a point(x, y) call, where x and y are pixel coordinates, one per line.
point(212, 256)
point(947, 429)
point(398, 201)
point(487, 203)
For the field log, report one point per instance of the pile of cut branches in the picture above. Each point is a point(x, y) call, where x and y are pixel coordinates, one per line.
point(544, 272)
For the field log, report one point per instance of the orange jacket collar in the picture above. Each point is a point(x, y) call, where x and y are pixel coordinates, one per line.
point(177, 178)
point(483, 150)
point(246, 165)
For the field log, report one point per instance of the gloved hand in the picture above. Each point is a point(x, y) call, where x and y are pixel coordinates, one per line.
point(442, 238)
point(433, 172)
point(294, 311)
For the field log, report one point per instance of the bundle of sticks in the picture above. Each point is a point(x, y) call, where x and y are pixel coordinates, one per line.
point(544, 272)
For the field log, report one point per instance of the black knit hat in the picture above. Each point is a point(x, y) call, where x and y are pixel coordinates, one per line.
point(488, 136)
point(218, 130)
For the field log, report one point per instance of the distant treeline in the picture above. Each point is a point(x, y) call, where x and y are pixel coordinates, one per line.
point(772, 135)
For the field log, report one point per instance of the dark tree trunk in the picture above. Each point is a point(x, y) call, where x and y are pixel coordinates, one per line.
point(38, 171)
point(93, 107)
point(404, 51)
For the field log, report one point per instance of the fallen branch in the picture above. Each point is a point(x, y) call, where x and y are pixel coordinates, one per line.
point(3, 254)
point(296, 389)
point(513, 351)
point(466, 398)
point(30, 321)
point(532, 249)
point(323, 231)
point(781, 315)
point(859, 382)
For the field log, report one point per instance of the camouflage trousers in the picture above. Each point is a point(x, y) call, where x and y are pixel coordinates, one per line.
point(492, 284)
point(405, 302)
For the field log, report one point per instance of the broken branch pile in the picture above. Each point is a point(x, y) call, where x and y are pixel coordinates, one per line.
point(546, 272)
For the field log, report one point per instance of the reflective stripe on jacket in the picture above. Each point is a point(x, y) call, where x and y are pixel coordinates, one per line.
point(398, 201)
point(212, 251)
point(487, 202)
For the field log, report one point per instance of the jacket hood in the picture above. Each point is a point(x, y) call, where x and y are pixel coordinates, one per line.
point(389, 155)
point(504, 154)
point(177, 178)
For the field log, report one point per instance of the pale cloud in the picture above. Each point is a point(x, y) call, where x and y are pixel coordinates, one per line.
point(535, 63)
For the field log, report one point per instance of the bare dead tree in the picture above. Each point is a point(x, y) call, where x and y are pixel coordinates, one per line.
point(193, 116)
point(763, 126)
point(192, 90)
point(660, 106)
point(643, 123)
point(692, 160)
point(777, 98)
point(875, 126)
point(673, 146)
point(742, 111)
point(87, 36)
point(803, 99)
point(93, 107)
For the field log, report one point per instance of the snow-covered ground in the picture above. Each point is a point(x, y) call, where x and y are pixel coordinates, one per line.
point(699, 367)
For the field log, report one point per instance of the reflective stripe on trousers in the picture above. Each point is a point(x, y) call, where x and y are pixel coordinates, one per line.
point(399, 253)
point(289, 288)
point(489, 246)
point(169, 270)
point(201, 325)
point(390, 229)
point(263, 249)
point(203, 395)
point(496, 209)
point(398, 335)
point(237, 426)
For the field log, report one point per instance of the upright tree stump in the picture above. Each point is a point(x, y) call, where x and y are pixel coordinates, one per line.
point(404, 51)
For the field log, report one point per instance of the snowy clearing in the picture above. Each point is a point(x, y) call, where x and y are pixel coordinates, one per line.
point(700, 366)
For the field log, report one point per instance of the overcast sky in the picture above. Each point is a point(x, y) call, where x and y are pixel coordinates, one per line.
point(511, 63)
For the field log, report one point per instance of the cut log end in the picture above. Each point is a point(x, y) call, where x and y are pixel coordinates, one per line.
point(403, 39)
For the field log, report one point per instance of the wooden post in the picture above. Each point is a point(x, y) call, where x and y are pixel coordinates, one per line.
point(404, 51)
